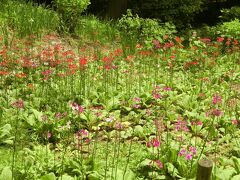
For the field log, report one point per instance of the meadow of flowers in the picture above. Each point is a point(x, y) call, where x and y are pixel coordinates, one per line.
point(108, 111)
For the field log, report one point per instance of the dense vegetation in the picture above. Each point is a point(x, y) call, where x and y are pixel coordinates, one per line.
point(130, 98)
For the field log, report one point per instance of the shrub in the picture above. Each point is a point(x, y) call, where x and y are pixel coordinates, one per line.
point(144, 29)
point(230, 14)
point(93, 29)
point(69, 11)
point(231, 29)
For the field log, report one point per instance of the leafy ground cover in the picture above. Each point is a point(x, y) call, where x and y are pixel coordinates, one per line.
point(96, 113)
point(103, 106)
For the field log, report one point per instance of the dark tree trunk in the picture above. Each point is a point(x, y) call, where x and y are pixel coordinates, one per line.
point(116, 8)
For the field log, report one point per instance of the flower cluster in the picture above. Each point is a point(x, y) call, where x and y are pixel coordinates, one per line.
point(77, 107)
point(188, 154)
point(155, 93)
point(153, 143)
point(216, 99)
point(18, 104)
point(156, 163)
point(136, 101)
point(181, 126)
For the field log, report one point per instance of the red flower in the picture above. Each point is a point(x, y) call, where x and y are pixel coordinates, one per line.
point(228, 43)
point(220, 39)
point(107, 59)
point(4, 73)
point(82, 62)
point(235, 122)
point(235, 42)
point(47, 72)
point(21, 75)
point(118, 52)
point(178, 39)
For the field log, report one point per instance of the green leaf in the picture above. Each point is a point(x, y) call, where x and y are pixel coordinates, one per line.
point(225, 174)
point(237, 177)
point(6, 174)
point(236, 164)
point(5, 130)
point(8, 141)
point(138, 131)
point(94, 176)
point(50, 176)
point(172, 170)
point(31, 120)
point(66, 177)
point(129, 175)
point(37, 114)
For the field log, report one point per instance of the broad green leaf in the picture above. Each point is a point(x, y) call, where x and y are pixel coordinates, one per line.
point(225, 174)
point(37, 114)
point(6, 174)
point(236, 164)
point(94, 176)
point(138, 131)
point(237, 177)
point(5, 130)
point(30, 120)
point(50, 176)
point(172, 170)
point(66, 177)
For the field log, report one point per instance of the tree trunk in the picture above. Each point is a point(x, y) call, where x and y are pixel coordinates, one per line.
point(116, 8)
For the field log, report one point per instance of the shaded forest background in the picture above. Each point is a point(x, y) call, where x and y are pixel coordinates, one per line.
point(179, 12)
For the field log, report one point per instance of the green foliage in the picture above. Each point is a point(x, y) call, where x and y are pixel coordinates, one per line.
point(230, 14)
point(90, 28)
point(5, 133)
point(26, 18)
point(144, 29)
point(70, 11)
point(231, 29)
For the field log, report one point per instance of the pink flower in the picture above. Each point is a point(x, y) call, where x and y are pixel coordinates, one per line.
point(217, 112)
point(159, 164)
point(166, 88)
point(110, 119)
point(136, 106)
point(155, 143)
point(182, 152)
point(18, 104)
point(118, 125)
point(82, 133)
point(148, 144)
point(235, 122)
point(156, 43)
point(137, 99)
point(188, 156)
point(193, 150)
point(77, 107)
point(181, 126)
point(217, 99)
point(49, 135)
point(156, 96)
point(214, 112)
